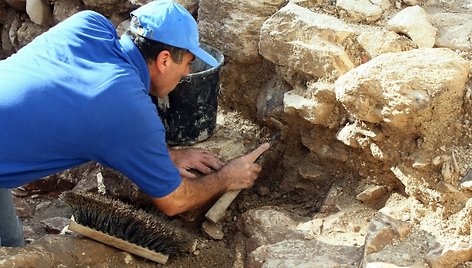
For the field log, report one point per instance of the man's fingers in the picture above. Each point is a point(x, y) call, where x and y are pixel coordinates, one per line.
point(202, 168)
point(252, 156)
point(186, 174)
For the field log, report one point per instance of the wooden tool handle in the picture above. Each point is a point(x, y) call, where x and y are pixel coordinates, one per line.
point(217, 211)
point(118, 243)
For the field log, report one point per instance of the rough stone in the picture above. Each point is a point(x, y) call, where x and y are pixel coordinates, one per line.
point(449, 256)
point(312, 172)
point(300, 253)
point(233, 26)
point(266, 226)
point(415, 23)
point(454, 30)
point(401, 89)
point(25, 33)
point(317, 104)
point(378, 237)
point(309, 109)
point(333, 151)
point(66, 8)
point(55, 225)
point(114, 8)
point(372, 194)
point(23, 210)
point(363, 10)
point(213, 230)
point(19, 5)
point(39, 12)
point(271, 98)
point(190, 5)
point(376, 41)
point(308, 42)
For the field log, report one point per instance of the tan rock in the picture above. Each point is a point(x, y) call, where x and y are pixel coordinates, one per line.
point(300, 253)
point(378, 237)
point(311, 110)
point(363, 10)
point(377, 41)
point(401, 89)
point(372, 194)
point(39, 12)
point(233, 26)
point(449, 256)
point(414, 22)
point(308, 42)
point(454, 30)
point(65, 8)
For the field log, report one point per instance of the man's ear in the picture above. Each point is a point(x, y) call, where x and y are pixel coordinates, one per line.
point(162, 60)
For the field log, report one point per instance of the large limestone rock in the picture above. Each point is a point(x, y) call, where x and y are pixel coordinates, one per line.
point(308, 42)
point(404, 90)
point(415, 23)
point(233, 26)
point(454, 30)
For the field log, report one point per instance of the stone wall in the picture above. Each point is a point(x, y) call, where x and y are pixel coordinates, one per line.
point(375, 91)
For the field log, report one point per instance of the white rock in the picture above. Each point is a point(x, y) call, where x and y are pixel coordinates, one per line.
point(415, 23)
point(307, 42)
point(454, 30)
point(401, 89)
point(363, 10)
point(310, 109)
point(376, 41)
point(233, 26)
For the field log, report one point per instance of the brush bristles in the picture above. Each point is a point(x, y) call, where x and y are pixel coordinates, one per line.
point(123, 221)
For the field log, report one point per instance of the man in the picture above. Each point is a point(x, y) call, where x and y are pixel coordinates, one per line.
point(79, 92)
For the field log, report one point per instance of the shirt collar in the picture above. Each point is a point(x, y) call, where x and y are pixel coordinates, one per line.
point(136, 59)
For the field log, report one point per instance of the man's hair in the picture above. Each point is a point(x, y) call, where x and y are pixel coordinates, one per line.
point(150, 48)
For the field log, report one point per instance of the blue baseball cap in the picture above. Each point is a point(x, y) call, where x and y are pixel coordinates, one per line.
point(168, 22)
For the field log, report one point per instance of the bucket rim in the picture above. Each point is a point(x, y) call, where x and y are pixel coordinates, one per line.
point(220, 59)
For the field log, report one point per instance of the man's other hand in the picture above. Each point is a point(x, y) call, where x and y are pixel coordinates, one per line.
point(201, 160)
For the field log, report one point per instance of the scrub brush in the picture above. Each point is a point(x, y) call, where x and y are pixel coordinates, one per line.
point(120, 225)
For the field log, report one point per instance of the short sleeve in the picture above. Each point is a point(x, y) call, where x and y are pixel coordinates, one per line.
point(145, 160)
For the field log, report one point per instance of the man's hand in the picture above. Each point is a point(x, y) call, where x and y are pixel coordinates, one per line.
point(201, 160)
point(240, 173)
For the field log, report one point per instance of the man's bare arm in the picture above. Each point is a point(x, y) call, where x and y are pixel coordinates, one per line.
point(239, 173)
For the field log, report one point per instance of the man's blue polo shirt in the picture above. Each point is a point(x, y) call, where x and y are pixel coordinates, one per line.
point(79, 93)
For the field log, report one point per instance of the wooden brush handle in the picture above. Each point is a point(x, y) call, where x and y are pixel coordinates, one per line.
point(117, 243)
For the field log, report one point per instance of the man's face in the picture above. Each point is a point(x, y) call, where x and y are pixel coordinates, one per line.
point(170, 74)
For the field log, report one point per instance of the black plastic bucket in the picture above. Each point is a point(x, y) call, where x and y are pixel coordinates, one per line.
point(189, 111)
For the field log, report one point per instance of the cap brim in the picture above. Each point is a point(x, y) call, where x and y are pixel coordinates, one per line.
point(204, 56)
